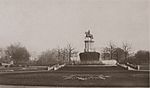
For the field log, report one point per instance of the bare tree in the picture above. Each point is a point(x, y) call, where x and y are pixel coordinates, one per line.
point(48, 57)
point(57, 55)
point(111, 49)
point(71, 52)
point(105, 53)
point(127, 48)
point(61, 54)
point(64, 55)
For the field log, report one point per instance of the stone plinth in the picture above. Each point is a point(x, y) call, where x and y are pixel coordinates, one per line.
point(89, 56)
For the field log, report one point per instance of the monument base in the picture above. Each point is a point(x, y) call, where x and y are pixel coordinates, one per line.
point(91, 57)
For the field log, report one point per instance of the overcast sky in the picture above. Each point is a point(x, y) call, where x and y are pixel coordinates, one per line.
point(47, 24)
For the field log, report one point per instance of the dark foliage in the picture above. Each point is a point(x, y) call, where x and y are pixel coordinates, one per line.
point(18, 54)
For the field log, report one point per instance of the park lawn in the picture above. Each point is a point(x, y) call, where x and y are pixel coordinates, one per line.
point(56, 78)
point(30, 68)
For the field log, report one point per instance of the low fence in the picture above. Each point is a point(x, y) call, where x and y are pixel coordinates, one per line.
point(128, 66)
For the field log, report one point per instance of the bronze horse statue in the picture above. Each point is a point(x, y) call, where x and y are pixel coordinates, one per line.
point(88, 34)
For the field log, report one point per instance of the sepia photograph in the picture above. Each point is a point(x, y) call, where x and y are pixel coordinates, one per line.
point(74, 43)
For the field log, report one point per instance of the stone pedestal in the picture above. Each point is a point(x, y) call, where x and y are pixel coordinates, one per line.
point(89, 56)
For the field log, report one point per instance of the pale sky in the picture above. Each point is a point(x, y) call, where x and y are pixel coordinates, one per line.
point(47, 24)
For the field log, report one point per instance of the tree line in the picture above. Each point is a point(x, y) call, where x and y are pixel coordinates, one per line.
point(21, 56)
point(57, 55)
point(124, 55)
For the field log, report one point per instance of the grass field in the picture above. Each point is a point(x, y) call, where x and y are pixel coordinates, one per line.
point(80, 77)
